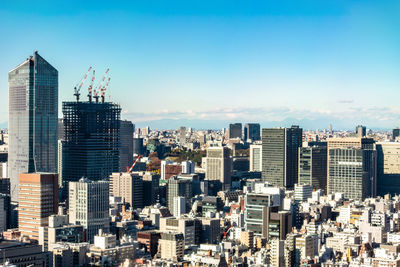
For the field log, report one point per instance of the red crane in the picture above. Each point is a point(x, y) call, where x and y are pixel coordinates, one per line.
point(96, 92)
point(78, 87)
point(91, 87)
point(129, 170)
point(103, 90)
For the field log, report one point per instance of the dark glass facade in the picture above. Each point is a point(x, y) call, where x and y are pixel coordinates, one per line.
point(92, 140)
point(252, 131)
point(280, 155)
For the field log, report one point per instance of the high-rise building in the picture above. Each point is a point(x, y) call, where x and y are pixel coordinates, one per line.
point(396, 133)
point(252, 132)
point(219, 165)
point(92, 140)
point(280, 155)
point(361, 131)
point(33, 119)
point(388, 168)
point(89, 206)
point(255, 158)
point(128, 186)
point(313, 166)
point(352, 167)
point(151, 184)
point(138, 147)
point(305, 247)
point(235, 130)
point(126, 144)
point(178, 187)
point(38, 199)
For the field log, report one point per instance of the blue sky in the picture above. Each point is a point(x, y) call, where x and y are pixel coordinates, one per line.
point(207, 63)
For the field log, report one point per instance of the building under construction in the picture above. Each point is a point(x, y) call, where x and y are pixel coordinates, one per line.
point(91, 139)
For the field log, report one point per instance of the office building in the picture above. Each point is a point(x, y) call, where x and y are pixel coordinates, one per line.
point(59, 162)
point(235, 130)
point(388, 181)
point(38, 199)
point(313, 167)
point(59, 230)
point(89, 206)
point(305, 247)
point(151, 184)
point(361, 131)
point(255, 158)
point(219, 165)
point(352, 167)
point(23, 254)
point(128, 186)
point(33, 119)
point(179, 187)
point(302, 192)
point(252, 132)
point(396, 133)
point(183, 225)
point(92, 140)
point(210, 230)
point(187, 167)
point(280, 155)
point(255, 209)
point(138, 147)
point(171, 246)
point(126, 144)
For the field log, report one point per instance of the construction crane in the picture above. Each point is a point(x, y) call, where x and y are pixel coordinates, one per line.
point(96, 92)
point(129, 170)
point(103, 90)
point(78, 87)
point(91, 87)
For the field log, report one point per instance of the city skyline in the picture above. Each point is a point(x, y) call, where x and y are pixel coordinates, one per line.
point(303, 63)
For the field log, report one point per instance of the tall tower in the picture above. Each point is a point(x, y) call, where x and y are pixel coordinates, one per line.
point(126, 148)
point(280, 155)
point(91, 147)
point(33, 115)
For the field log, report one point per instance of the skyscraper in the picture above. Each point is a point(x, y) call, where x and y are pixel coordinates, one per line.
point(88, 206)
point(235, 130)
point(38, 200)
point(92, 140)
point(33, 119)
point(252, 132)
point(352, 167)
point(280, 155)
point(313, 166)
point(396, 133)
point(219, 165)
point(126, 147)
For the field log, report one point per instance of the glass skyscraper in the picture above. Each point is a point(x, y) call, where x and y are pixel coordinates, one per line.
point(33, 112)
point(91, 143)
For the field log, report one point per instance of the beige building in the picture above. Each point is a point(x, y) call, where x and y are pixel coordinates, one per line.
point(171, 246)
point(183, 225)
point(247, 238)
point(218, 165)
point(277, 252)
point(38, 199)
point(128, 186)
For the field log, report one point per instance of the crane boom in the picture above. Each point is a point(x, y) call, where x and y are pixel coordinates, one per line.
point(78, 87)
point(91, 87)
point(133, 165)
point(103, 90)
